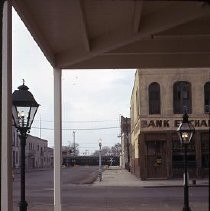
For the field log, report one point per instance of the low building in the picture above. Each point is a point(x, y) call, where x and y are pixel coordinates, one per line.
point(37, 152)
point(158, 100)
point(15, 149)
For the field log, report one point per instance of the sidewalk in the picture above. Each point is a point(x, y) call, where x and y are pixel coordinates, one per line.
point(116, 176)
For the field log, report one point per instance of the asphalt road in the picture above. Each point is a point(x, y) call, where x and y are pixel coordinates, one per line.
point(77, 191)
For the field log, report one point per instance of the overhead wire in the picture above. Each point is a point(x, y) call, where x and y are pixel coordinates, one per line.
point(100, 128)
point(80, 121)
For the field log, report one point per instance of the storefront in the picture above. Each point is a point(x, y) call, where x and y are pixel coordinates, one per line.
point(162, 155)
point(158, 101)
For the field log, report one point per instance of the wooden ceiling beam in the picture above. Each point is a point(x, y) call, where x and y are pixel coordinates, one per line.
point(137, 15)
point(195, 60)
point(163, 45)
point(164, 19)
point(172, 16)
point(84, 28)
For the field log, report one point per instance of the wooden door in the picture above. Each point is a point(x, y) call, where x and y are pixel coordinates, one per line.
point(156, 159)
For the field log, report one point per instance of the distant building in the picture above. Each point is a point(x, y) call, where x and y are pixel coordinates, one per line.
point(38, 154)
point(158, 100)
point(49, 157)
point(125, 143)
point(15, 149)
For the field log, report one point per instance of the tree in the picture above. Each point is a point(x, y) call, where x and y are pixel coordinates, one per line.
point(70, 149)
point(106, 151)
point(96, 153)
point(116, 149)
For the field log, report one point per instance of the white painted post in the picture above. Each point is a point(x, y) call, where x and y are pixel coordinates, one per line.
point(6, 83)
point(57, 138)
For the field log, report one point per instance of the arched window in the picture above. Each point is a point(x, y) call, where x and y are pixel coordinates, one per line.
point(154, 98)
point(182, 97)
point(207, 97)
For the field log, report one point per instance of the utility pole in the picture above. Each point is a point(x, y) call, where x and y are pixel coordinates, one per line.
point(74, 150)
point(100, 167)
point(74, 142)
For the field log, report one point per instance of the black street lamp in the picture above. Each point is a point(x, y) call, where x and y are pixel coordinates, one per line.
point(24, 108)
point(185, 132)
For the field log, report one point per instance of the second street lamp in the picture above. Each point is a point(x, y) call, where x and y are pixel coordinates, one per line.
point(24, 108)
point(185, 132)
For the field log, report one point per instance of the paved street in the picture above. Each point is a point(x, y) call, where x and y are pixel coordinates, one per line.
point(119, 190)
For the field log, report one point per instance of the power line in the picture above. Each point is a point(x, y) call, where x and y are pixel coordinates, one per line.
point(66, 129)
point(81, 121)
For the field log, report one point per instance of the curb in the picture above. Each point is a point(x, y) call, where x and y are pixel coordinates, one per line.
point(174, 186)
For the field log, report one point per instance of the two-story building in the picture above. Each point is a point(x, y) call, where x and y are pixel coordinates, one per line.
point(158, 100)
point(37, 152)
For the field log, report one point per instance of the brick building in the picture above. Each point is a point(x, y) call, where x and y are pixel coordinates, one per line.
point(158, 100)
point(125, 124)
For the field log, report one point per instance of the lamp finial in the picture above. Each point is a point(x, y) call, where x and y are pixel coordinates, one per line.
point(23, 87)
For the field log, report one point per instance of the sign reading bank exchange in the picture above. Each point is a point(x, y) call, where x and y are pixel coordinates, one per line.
point(173, 123)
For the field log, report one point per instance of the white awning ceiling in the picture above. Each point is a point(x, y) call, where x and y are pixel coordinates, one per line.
point(76, 34)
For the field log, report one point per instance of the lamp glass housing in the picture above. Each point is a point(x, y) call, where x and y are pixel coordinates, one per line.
point(23, 116)
point(24, 108)
point(185, 132)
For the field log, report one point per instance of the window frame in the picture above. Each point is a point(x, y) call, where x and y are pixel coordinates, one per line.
point(154, 95)
point(182, 97)
point(207, 97)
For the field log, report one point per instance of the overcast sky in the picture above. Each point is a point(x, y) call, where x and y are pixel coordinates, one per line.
point(93, 100)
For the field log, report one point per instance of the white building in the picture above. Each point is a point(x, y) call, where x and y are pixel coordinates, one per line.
point(38, 154)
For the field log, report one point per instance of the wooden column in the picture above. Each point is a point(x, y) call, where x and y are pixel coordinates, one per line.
point(6, 110)
point(57, 139)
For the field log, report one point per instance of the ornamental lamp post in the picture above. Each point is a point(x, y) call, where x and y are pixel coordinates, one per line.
point(100, 168)
point(185, 132)
point(24, 108)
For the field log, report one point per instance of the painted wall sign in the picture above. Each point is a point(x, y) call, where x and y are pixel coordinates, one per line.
point(166, 123)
